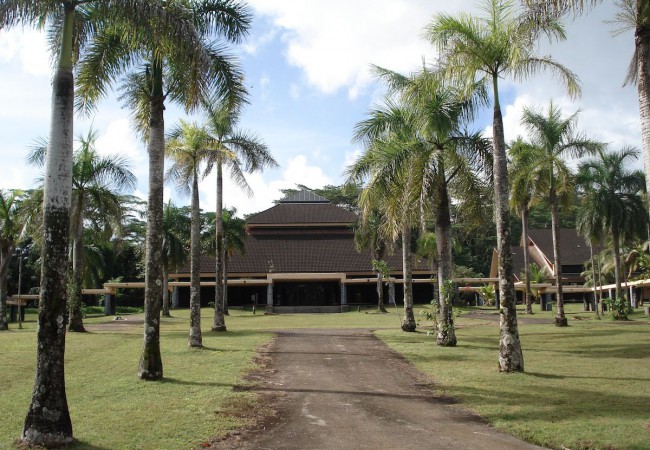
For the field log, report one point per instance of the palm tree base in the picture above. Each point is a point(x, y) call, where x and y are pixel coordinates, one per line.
point(4, 326)
point(219, 329)
point(76, 326)
point(408, 327)
point(561, 322)
point(195, 344)
point(446, 339)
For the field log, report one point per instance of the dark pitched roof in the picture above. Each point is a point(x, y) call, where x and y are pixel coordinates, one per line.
point(304, 253)
point(573, 247)
point(304, 196)
point(518, 262)
point(303, 213)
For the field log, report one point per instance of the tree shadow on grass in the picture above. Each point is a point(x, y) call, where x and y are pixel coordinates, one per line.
point(171, 380)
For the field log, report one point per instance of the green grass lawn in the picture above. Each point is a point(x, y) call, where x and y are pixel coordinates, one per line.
point(586, 386)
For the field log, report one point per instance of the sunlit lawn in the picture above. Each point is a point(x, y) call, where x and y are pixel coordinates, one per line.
point(586, 386)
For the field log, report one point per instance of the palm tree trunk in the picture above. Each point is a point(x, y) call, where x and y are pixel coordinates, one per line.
point(76, 315)
point(196, 339)
point(511, 358)
point(446, 332)
point(165, 292)
point(560, 318)
point(48, 418)
point(618, 294)
point(642, 44)
point(524, 230)
point(381, 307)
point(219, 323)
point(225, 284)
point(600, 281)
point(5, 257)
point(151, 367)
point(408, 323)
point(593, 276)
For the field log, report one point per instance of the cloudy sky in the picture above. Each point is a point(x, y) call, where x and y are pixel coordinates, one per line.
point(307, 68)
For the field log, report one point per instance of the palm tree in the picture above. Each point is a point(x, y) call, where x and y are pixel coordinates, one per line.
point(175, 239)
point(11, 229)
point(555, 138)
point(184, 67)
point(96, 185)
point(521, 197)
point(48, 418)
point(612, 192)
point(537, 275)
point(440, 155)
point(389, 189)
point(632, 15)
point(485, 49)
point(189, 145)
point(234, 237)
point(239, 151)
point(368, 236)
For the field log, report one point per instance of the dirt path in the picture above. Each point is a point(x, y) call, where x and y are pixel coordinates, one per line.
point(345, 389)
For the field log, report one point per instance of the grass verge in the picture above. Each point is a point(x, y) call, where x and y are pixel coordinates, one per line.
point(586, 386)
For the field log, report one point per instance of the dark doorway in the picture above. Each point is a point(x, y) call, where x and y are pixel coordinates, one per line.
point(307, 294)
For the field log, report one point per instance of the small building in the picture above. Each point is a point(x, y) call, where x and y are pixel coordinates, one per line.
point(300, 256)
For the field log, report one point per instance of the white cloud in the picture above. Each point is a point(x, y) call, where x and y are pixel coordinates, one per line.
point(266, 187)
point(29, 47)
point(335, 41)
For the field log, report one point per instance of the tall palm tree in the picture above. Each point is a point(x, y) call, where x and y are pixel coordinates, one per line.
point(555, 138)
point(185, 68)
point(72, 23)
point(175, 242)
point(521, 197)
point(234, 237)
point(240, 151)
point(612, 192)
point(484, 49)
point(97, 182)
point(368, 236)
point(632, 15)
point(11, 229)
point(389, 188)
point(441, 156)
point(189, 146)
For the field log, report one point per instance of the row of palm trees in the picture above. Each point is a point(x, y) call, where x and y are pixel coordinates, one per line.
point(161, 50)
point(417, 146)
point(419, 155)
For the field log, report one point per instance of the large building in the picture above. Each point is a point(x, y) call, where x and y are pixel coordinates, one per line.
point(300, 256)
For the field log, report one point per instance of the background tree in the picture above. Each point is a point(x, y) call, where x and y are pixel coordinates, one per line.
point(186, 67)
point(234, 241)
point(175, 243)
point(521, 189)
point(612, 192)
point(368, 236)
point(97, 182)
point(554, 138)
point(632, 15)
point(11, 229)
point(484, 49)
point(240, 151)
point(189, 146)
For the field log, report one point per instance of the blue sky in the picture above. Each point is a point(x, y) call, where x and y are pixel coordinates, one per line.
point(307, 68)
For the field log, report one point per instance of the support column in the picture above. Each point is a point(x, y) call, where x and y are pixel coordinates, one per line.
point(109, 304)
point(175, 298)
point(344, 298)
point(632, 297)
point(497, 297)
point(546, 302)
point(391, 293)
point(269, 298)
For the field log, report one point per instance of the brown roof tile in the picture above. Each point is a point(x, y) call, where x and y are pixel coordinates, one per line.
point(302, 213)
